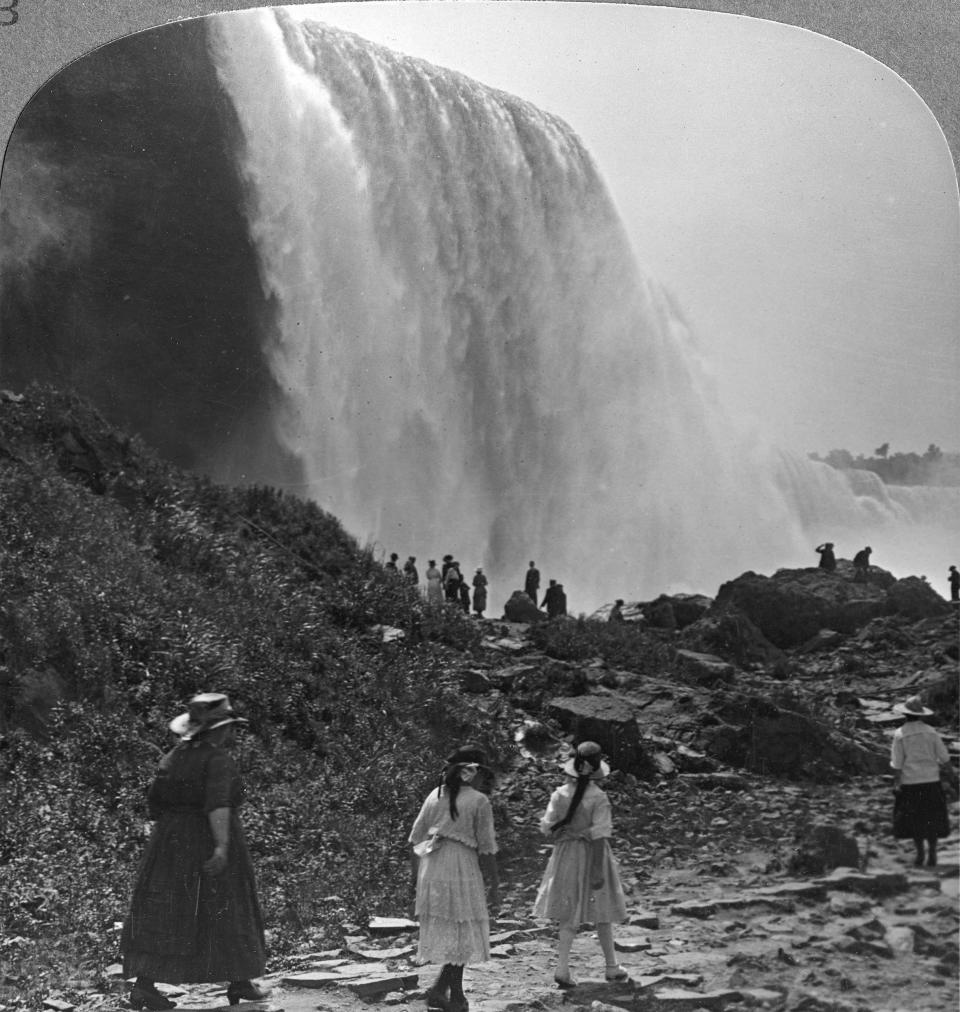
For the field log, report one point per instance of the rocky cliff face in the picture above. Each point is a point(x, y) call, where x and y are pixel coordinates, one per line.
point(128, 274)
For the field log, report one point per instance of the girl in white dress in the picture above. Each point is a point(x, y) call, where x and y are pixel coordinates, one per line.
point(454, 847)
point(581, 883)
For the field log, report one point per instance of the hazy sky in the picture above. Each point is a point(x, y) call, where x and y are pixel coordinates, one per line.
point(796, 196)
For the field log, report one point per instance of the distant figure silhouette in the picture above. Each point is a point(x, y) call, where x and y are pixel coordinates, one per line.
point(447, 563)
point(616, 612)
point(479, 593)
point(531, 583)
point(861, 564)
point(410, 570)
point(828, 560)
point(954, 584)
point(392, 564)
point(434, 583)
point(451, 581)
point(463, 590)
point(555, 600)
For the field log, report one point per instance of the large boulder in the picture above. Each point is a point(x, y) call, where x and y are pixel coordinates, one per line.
point(521, 608)
point(754, 733)
point(792, 606)
point(731, 635)
point(609, 720)
point(676, 611)
point(914, 598)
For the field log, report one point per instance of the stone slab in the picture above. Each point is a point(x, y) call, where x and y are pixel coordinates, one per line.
point(681, 998)
point(365, 987)
point(391, 925)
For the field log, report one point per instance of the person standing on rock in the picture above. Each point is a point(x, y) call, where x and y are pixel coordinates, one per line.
point(581, 883)
point(391, 565)
point(828, 560)
point(954, 579)
point(531, 582)
point(616, 612)
point(917, 755)
point(194, 916)
point(410, 571)
point(861, 564)
point(454, 850)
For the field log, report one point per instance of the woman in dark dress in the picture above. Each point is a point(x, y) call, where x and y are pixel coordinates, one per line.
point(194, 916)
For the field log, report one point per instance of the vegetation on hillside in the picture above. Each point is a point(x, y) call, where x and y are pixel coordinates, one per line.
point(125, 587)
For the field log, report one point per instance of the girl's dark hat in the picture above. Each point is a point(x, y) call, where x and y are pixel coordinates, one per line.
point(205, 712)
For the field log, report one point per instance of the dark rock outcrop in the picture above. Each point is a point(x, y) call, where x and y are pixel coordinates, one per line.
point(792, 606)
point(608, 720)
point(520, 608)
point(676, 611)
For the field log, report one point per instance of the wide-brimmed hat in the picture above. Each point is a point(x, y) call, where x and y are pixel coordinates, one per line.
point(913, 707)
point(590, 751)
point(205, 711)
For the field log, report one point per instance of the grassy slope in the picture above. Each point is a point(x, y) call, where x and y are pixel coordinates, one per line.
point(126, 586)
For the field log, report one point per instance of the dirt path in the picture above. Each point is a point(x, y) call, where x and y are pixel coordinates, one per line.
point(728, 936)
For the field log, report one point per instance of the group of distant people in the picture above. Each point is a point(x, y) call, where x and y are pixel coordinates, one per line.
point(446, 584)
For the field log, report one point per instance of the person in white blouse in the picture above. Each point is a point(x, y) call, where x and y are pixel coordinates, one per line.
point(581, 883)
point(917, 756)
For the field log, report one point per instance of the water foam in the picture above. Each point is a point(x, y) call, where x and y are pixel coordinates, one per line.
point(471, 360)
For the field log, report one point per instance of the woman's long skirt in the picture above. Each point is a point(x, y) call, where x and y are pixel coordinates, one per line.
point(565, 894)
point(920, 812)
point(452, 906)
point(185, 926)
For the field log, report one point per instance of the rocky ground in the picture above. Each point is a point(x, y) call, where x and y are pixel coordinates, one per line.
point(720, 925)
point(752, 807)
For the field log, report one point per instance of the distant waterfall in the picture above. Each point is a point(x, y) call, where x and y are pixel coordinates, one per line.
point(472, 362)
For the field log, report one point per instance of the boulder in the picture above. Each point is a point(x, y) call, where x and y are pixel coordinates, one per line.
point(730, 635)
point(520, 608)
point(792, 606)
point(676, 611)
point(608, 720)
point(914, 598)
point(754, 733)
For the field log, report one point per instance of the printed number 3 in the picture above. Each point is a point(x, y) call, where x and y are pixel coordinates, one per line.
point(9, 15)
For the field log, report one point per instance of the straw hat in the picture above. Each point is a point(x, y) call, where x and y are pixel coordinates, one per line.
point(587, 756)
point(205, 712)
point(913, 707)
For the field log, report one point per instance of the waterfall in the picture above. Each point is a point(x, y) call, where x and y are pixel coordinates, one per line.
point(470, 359)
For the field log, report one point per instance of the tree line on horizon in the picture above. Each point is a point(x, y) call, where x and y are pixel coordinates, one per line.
point(933, 467)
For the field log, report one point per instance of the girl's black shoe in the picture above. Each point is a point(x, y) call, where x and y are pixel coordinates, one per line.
point(143, 996)
point(245, 990)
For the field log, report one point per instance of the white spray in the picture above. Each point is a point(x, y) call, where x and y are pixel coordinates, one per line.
point(471, 361)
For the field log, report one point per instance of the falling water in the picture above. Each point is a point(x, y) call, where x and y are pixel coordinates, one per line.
point(471, 361)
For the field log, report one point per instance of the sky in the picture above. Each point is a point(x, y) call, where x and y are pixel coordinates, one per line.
point(795, 196)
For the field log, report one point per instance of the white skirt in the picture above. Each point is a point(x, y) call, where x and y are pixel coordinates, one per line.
point(452, 906)
point(566, 894)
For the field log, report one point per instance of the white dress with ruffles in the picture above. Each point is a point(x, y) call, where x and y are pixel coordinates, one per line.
point(451, 900)
point(565, 894)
